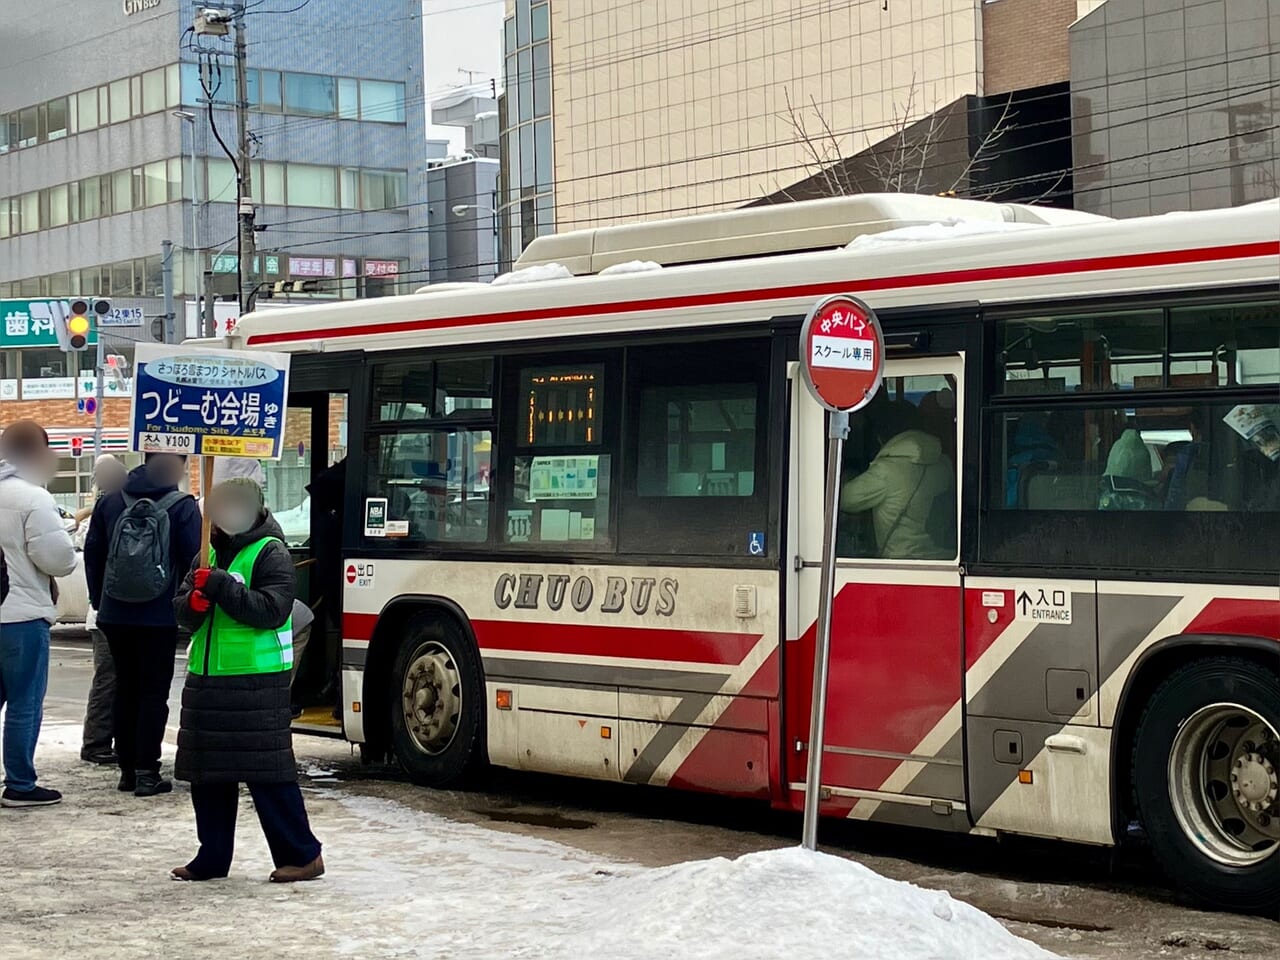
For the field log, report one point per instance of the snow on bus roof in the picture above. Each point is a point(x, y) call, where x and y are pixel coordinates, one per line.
point(943, 230)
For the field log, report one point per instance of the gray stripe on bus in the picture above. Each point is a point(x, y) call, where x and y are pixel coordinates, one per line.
point(694, 689)
point(668, 735)
point(658, 681)
point(1126, 624)
point(355, 656)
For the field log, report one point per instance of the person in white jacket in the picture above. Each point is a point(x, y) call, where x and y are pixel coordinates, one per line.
point(37, 548)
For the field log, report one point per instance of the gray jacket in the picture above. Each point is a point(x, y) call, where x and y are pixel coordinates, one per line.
point(37, 548)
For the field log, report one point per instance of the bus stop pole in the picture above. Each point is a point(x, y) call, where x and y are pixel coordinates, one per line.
point(837, 431)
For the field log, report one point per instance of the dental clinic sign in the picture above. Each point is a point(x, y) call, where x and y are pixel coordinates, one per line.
point(132, 7)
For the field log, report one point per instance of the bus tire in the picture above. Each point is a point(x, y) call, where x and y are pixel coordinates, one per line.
point(435, 696)
point(1206, 775)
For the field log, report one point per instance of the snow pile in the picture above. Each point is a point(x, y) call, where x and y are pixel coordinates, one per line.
point(536, 274)
point(402, 883)
point(787, 903)
point(463, 891)
point(631, 266)
point(949, 229)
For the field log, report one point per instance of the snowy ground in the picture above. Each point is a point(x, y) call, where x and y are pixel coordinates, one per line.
point(88, 879)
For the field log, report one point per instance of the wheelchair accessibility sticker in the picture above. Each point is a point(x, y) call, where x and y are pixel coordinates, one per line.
point(755, 544)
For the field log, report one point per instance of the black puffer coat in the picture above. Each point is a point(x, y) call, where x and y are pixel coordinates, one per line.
point(236, 729)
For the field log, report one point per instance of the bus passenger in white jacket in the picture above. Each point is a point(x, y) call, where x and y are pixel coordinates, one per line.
point(37, 548)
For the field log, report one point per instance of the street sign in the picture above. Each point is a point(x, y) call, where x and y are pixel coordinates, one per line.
point(843, 366)
point(122, 317)
point(199, 400)
point(843, 353)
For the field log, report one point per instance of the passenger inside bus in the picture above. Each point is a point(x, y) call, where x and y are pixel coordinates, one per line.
point(908, 488)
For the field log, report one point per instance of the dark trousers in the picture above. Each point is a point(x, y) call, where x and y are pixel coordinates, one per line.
point(98, 725)
point(144, 672)
point(280, 811)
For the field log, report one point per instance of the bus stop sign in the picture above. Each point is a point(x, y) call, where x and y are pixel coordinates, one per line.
point(843, 353)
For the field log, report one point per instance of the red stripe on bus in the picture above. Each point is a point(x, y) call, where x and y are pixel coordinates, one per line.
point(1250, 618)
point(359, 626)
point(639, 643)
point(642, 643)
point(1164, 258)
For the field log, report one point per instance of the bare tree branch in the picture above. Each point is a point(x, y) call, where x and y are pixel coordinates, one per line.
point(900, 162)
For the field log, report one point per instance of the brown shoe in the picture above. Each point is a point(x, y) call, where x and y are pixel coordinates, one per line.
point(182, 873)
point(312, 871)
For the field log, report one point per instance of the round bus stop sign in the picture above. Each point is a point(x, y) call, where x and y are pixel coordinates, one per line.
point(843, 353)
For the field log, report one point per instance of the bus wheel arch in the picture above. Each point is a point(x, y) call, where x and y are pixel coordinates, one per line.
point(423, 658)
point(1187, 695)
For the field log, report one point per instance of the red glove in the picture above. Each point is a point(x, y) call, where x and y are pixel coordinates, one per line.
point(200, 577)
point(198, 602)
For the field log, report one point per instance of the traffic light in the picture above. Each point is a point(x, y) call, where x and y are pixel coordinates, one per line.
point(73, 323)
point(78, 326)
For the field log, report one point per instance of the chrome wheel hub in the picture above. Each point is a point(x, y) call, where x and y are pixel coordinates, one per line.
point(431, 697)
point(1224, 785)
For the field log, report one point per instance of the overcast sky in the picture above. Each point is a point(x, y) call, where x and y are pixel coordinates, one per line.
point(460, 35)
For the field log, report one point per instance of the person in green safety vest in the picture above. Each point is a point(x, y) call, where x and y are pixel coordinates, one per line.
point(235, 724)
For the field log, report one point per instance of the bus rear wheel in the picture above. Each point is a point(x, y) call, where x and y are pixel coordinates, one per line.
point(435, 698)
point(1206, 774)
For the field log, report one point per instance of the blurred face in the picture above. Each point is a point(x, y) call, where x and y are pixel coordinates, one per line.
point(108, 478)
point(231, 510)
point(165, 470)
point(38, 467)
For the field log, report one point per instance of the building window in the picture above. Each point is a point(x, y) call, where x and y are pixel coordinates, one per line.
point(348, 99)
point(59, 211)
point(310, 95)
point(119, 95)
point(310, 186)
point(155, 183)
point(59, 122)
point(542, 80)
point(381, 101)
point(29, 127)
point(383, 190)
point(87, 109)
point(271, 100)
point(153, 91)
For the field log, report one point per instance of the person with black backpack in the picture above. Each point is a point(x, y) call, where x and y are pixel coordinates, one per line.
point(140, 544)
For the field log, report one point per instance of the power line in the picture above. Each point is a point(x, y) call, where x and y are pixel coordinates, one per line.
point(808, 165)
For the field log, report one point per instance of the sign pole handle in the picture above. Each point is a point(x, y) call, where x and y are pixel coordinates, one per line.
point(837, 432)
point(206, 484)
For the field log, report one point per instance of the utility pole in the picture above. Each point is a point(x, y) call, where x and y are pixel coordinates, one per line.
point(210, 319)
point(100, 366)
point(245, 187)
point(166, 276)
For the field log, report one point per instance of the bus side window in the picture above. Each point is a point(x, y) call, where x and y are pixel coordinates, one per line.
point(697, 432)
point(562, 473)
point(898, 478)
point(428, 449)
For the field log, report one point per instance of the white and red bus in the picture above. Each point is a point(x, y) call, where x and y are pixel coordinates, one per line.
point(581, 520)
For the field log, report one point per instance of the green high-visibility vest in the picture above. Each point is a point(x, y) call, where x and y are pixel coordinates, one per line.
point(235, 649)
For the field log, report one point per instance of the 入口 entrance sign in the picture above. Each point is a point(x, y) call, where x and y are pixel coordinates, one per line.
point(842, 350)
point(843, 353)
point(210, 402)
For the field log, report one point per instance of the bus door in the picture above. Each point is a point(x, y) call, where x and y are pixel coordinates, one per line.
point(305, 492)
point(893, 745)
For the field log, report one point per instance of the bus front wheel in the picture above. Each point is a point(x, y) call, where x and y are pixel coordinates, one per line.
point(1206, 774)
point(435, 699)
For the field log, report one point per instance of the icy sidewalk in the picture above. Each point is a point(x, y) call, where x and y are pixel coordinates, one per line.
point(88, 879)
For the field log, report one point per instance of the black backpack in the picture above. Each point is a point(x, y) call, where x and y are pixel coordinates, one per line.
point(139, 561)
point(4, 578)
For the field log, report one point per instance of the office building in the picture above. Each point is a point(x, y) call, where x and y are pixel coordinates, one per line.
point(1175, 105)
point(101, 117)
point(615, 111)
